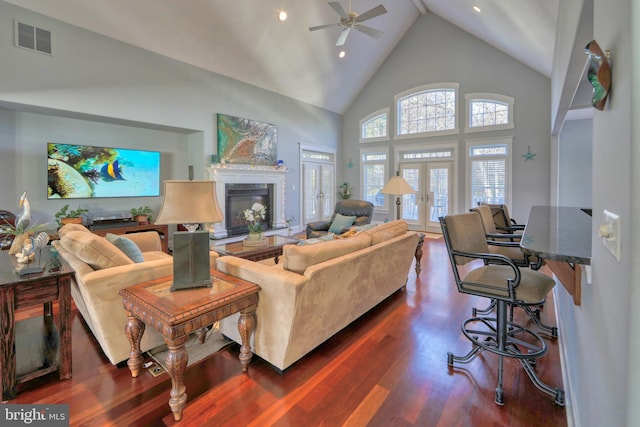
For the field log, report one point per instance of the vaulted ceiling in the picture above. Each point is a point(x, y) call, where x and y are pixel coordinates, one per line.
point(244, 40)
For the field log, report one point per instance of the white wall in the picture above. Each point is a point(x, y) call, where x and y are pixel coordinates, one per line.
point(101, 80)
point(633, 389)
point(575, 163)
point(598, 355)
point(435, 51)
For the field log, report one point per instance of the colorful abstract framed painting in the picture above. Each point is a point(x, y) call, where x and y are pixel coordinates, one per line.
point(245, 141)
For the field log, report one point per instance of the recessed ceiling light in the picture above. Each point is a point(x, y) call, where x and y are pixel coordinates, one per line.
point(477, 9)
point(282, 15)
point(342, 54)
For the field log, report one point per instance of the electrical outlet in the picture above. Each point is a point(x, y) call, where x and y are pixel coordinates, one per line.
point(610, 232)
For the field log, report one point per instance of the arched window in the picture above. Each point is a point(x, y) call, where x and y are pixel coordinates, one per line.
point(429, 109)
point(488, 112)
point(375, 127)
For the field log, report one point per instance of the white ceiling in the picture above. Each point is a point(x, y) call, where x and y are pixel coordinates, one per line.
point(243, 40)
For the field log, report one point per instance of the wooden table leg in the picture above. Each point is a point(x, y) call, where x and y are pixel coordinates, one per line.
point(419, 253)
point(177, 359)
point(246, 325)
point(7, 344)
point(64, 303)
point(134, 330)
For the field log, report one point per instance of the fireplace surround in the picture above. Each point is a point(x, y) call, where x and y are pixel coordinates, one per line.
point(270, 177)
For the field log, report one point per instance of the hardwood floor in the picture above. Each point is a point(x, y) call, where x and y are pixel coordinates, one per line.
point(389, 368)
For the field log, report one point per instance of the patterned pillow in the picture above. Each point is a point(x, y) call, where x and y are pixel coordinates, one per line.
point(315, 240)
point(127, 246)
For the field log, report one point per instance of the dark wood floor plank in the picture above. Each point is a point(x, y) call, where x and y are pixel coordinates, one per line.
point(388, 368)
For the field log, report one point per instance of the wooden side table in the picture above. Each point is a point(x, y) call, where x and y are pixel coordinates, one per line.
point(177, 314)
point(53, 283)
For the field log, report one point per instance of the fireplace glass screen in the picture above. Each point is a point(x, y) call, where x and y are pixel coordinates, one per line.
point(242, 196)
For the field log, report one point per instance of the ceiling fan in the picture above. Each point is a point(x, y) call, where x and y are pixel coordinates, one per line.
point(349, 20)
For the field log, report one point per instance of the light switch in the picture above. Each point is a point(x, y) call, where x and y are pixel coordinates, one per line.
point(609, 230)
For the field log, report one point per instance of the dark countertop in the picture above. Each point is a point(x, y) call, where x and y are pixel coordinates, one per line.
point(558, 233)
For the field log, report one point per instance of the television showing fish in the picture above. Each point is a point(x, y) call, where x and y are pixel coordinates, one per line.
point(83, 171)
point(111, 171)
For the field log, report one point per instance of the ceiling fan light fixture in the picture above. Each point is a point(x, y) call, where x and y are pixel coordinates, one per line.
point(342, 54)
point(282, 15)
point(351, 20)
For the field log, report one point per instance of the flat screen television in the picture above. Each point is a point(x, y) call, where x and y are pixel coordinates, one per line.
point(83, 171)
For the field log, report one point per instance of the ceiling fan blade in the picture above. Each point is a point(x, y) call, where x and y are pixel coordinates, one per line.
point(322, 27)
point(343, 36)
point(339, 9)
point(371, 13)
point(369, 31)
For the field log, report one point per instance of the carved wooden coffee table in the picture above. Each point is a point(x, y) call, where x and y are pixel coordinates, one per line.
point(177, 314)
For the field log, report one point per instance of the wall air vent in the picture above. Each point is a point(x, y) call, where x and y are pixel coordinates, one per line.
point(32, 38)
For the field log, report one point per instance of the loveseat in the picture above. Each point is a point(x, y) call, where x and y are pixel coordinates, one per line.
point(317, 290)
point(101, 270)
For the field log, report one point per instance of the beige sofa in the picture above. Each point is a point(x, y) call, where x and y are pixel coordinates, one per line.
point(101, 271)
point(317, 290)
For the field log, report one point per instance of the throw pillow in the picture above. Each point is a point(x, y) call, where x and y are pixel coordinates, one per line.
point(94, 250)
point(365, 227)
point(72, 227)
point(127, 246)
point(315, 240)
point(340, 222)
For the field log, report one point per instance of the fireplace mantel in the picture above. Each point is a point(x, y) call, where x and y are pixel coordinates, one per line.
point(246, 174)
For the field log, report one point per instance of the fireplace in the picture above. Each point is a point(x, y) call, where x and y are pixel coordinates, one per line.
point(238, 198)
point(271, 177)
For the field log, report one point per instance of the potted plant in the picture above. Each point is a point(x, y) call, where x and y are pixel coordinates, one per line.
point(344, 191)
point(290, 221)
point(70, 216)
point(142, 215)
point(253, 216)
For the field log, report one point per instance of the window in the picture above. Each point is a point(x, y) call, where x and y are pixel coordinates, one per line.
point(488, 112)
point(428, 110)
point(374, 127)
point(489, 172)
point(374, 175)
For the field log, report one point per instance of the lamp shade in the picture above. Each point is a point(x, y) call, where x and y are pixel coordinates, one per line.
point(189, 202)
point(397, 185)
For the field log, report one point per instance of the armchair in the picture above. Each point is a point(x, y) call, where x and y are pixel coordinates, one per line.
point(361, 209)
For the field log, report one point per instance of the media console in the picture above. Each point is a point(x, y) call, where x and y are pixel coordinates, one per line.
point(162, 230)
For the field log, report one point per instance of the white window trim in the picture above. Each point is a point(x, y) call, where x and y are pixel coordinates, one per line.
point(369, 117)
point(384, 209)
point(488, 142)
point(422, 88)
point(489, 97)
point(452, 145)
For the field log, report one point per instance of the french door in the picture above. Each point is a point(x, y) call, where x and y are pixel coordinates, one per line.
point(318, 191)
point(433, 183)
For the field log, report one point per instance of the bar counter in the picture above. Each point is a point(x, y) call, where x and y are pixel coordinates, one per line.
point(561, 236)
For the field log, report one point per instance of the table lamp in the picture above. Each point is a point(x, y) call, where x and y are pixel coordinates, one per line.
point(398, 186)
point(190, 203)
